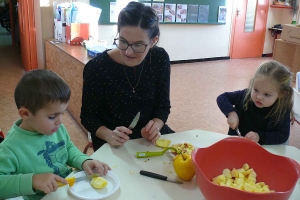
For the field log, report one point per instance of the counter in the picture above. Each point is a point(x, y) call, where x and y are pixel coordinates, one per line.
point(68, 62)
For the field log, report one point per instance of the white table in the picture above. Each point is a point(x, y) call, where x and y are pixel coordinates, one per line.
point(126, 166)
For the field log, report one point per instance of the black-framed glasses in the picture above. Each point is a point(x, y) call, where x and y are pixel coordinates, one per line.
point(123, 45)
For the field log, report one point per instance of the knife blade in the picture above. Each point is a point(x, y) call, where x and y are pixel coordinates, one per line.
point(72, 180)
point(134, 121)
point(160, 177)
point(238, 132)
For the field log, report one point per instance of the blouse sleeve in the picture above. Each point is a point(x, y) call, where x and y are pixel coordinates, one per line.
point(162, 106)
point(92, 97)
point(230, 101)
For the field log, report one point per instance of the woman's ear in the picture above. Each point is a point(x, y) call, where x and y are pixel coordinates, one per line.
point(24, 113)
point(154, 41)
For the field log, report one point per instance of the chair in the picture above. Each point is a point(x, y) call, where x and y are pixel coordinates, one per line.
point(296, 107)
point(90, 144)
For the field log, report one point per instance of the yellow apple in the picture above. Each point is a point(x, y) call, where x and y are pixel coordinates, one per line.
point(183, 166)
point(98, 182)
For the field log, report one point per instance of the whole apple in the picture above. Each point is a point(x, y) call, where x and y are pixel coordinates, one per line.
point(184, 167)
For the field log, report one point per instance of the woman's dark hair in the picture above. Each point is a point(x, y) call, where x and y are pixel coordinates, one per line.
point(138, 15)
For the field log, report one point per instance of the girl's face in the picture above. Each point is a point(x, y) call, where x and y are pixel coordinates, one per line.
point(134, 35)
point(263, 93)
point(46, 120)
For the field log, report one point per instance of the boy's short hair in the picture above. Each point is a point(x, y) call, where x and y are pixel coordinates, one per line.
point(39, 87)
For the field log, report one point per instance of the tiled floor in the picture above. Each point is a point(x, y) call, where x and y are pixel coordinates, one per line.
point(194, 88)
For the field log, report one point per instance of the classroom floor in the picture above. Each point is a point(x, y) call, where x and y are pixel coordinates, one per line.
point(194, 89)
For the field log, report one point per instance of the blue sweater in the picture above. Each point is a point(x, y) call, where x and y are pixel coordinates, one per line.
point(254, 119)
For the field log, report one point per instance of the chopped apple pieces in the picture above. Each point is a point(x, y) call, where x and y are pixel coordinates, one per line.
point(241, 179)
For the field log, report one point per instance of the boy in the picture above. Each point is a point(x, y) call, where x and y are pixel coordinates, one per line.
point(37, 150)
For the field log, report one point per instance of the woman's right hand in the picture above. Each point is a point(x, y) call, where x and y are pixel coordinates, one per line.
point(118, 136)
point(233, 120)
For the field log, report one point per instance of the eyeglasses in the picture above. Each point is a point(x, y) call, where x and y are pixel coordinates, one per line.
point(123, 45)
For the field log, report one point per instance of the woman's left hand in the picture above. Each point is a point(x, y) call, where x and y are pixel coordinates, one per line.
point(252, 136)
point(151, 131)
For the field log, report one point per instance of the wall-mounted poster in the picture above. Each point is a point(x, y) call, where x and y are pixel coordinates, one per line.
point(192, 15)
point(159, 8)
point(222, 14)
point(203, 13)
point(169, 12)
point(181, 12)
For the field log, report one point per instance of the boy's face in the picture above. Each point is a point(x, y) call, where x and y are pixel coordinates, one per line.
point(46, 120)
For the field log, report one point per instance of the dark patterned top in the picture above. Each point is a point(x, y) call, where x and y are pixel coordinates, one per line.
point(108, 99)
point(254, 119)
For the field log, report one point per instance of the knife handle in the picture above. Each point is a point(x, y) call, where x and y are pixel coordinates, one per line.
point(153, 175)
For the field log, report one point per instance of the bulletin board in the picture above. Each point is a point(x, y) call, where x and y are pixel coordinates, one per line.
point(212, 18)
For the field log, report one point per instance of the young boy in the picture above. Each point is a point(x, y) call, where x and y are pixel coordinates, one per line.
point(37, 151)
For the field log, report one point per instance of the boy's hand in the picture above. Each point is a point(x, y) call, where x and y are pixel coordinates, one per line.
point(252, 136)
point(46, 182)
point(95, 166)
point(233, 120)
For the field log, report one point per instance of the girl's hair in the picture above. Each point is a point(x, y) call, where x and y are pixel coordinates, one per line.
point(281, 78)
point(39, 87)
point(138, 15)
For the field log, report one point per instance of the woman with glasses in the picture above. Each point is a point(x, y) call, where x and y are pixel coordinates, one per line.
point(132, 78)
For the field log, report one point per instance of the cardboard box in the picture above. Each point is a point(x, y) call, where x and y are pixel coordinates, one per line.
point(76, 33)
point(59, 30)
point(287, 53)
point(291, 33)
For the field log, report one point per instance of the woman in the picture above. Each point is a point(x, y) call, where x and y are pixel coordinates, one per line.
point(135, 77)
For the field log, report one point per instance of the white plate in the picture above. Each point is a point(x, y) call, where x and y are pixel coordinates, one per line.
point(196, 145)
point(84, 190)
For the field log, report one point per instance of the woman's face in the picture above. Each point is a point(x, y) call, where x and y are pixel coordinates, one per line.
point(134, 35)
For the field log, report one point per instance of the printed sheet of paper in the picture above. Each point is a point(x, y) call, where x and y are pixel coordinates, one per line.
point(181, 12)
point(170, 12)
point(203, 13)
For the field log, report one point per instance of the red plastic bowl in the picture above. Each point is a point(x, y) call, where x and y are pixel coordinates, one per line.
point(279, 172)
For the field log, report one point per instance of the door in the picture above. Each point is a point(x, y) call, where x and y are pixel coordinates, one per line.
point(249, 28)
point(27, 34)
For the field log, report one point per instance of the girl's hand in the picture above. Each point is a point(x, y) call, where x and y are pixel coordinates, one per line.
point(118, 136)
point(46, 182)
point(95, 166)
point(151, 131)
point(252, 136)
point(233, 120)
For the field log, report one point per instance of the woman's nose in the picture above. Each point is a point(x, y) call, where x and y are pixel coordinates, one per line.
point(129, 51)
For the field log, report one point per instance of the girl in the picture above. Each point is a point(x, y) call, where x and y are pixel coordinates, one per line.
point(262, 111)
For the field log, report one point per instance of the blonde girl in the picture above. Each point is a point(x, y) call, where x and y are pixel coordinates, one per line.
point(262, 112)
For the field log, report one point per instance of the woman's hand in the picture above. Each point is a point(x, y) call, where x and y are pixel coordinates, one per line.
point(95, 166)
point(118, 136)
point(151, 131)
point(252, 136)
point(233, 120)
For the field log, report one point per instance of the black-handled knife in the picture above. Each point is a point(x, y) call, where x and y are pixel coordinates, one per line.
point(160, 177)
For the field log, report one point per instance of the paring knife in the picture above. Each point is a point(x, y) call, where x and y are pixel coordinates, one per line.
point(238, 132)
point(134, 121)
point(160, 177)
point(72, 180)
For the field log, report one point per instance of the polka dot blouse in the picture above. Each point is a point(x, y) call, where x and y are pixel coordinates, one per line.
point(108, 99)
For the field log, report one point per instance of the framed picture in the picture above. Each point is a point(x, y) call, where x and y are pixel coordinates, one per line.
point(170, 13)
point(181, 12)
point(222, 14)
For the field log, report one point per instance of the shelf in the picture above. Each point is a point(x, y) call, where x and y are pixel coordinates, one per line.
point(280, 6)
